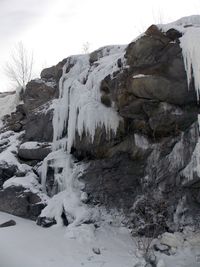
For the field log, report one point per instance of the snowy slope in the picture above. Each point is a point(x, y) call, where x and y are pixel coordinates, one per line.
point(28, 245)
point(8, 103)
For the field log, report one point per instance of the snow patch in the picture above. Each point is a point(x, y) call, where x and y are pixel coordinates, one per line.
point(138, 76)
point(34, 145)
point(141, 141)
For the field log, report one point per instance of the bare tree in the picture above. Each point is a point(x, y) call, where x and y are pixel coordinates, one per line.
point(86, 47)
point(19, 68)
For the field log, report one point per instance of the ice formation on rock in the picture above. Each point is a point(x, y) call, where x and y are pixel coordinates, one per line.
point(78, 109)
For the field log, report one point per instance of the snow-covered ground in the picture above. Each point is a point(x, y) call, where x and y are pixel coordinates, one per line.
point(29, 245)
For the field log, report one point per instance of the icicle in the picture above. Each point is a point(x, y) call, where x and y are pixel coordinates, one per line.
point(78, 109)
point(79, 106)
point(191, 55)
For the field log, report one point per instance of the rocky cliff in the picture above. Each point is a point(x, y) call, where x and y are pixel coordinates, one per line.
point(115, 131)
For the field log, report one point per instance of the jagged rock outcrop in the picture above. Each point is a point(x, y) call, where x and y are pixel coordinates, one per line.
point(146, 170)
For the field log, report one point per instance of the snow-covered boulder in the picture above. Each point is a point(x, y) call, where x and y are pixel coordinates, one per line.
point(34, 150)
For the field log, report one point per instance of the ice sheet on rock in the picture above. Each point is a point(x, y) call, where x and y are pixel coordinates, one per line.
point(79, 107)
point(69, 199)
point(58, 160)
point(191, 172)
point(189, 42)
point(141, 141)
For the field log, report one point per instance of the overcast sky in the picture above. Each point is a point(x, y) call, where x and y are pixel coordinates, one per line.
point(55, 29)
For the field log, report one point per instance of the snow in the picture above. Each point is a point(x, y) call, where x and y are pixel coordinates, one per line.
point(141, 141)
point(34, 145)
point(140, 76)
point(8, 103)
point(25, 181)
point(8, 155)
point(27, 244)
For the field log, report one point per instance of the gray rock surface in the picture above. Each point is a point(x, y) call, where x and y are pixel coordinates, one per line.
point(38, 152)
point(20, 202)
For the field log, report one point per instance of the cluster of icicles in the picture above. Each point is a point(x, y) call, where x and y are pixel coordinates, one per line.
point(78, 110)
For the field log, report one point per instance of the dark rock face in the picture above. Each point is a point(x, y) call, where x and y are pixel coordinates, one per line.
point(111, 180)
point(38, 93)
point(39, 125)
point(37, 98)
point(54, 72)
point(20, 202)
point(6, 171)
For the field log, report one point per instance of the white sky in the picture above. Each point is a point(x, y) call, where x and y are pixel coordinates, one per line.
point(55, 29)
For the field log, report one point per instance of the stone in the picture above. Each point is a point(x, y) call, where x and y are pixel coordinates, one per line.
point(54, 72)
point(6, 171)
point(45, 222)
point(39, 126)
point(96, 251)
point(37, 93)
point(48, 73)
point(18, 201)
point(8, 223)
point(173, 34)
point(162, 248)
point(173, 92)
point(38, 151)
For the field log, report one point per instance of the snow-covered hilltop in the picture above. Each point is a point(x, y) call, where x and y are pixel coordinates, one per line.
point(111, 136)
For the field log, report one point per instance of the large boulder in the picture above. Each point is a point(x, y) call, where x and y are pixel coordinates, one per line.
point(38, 93)
point(34, 150)
point(39, 126)
point(21, 202)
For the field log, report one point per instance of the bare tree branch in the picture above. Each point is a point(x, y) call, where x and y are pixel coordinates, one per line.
point(19, 68)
